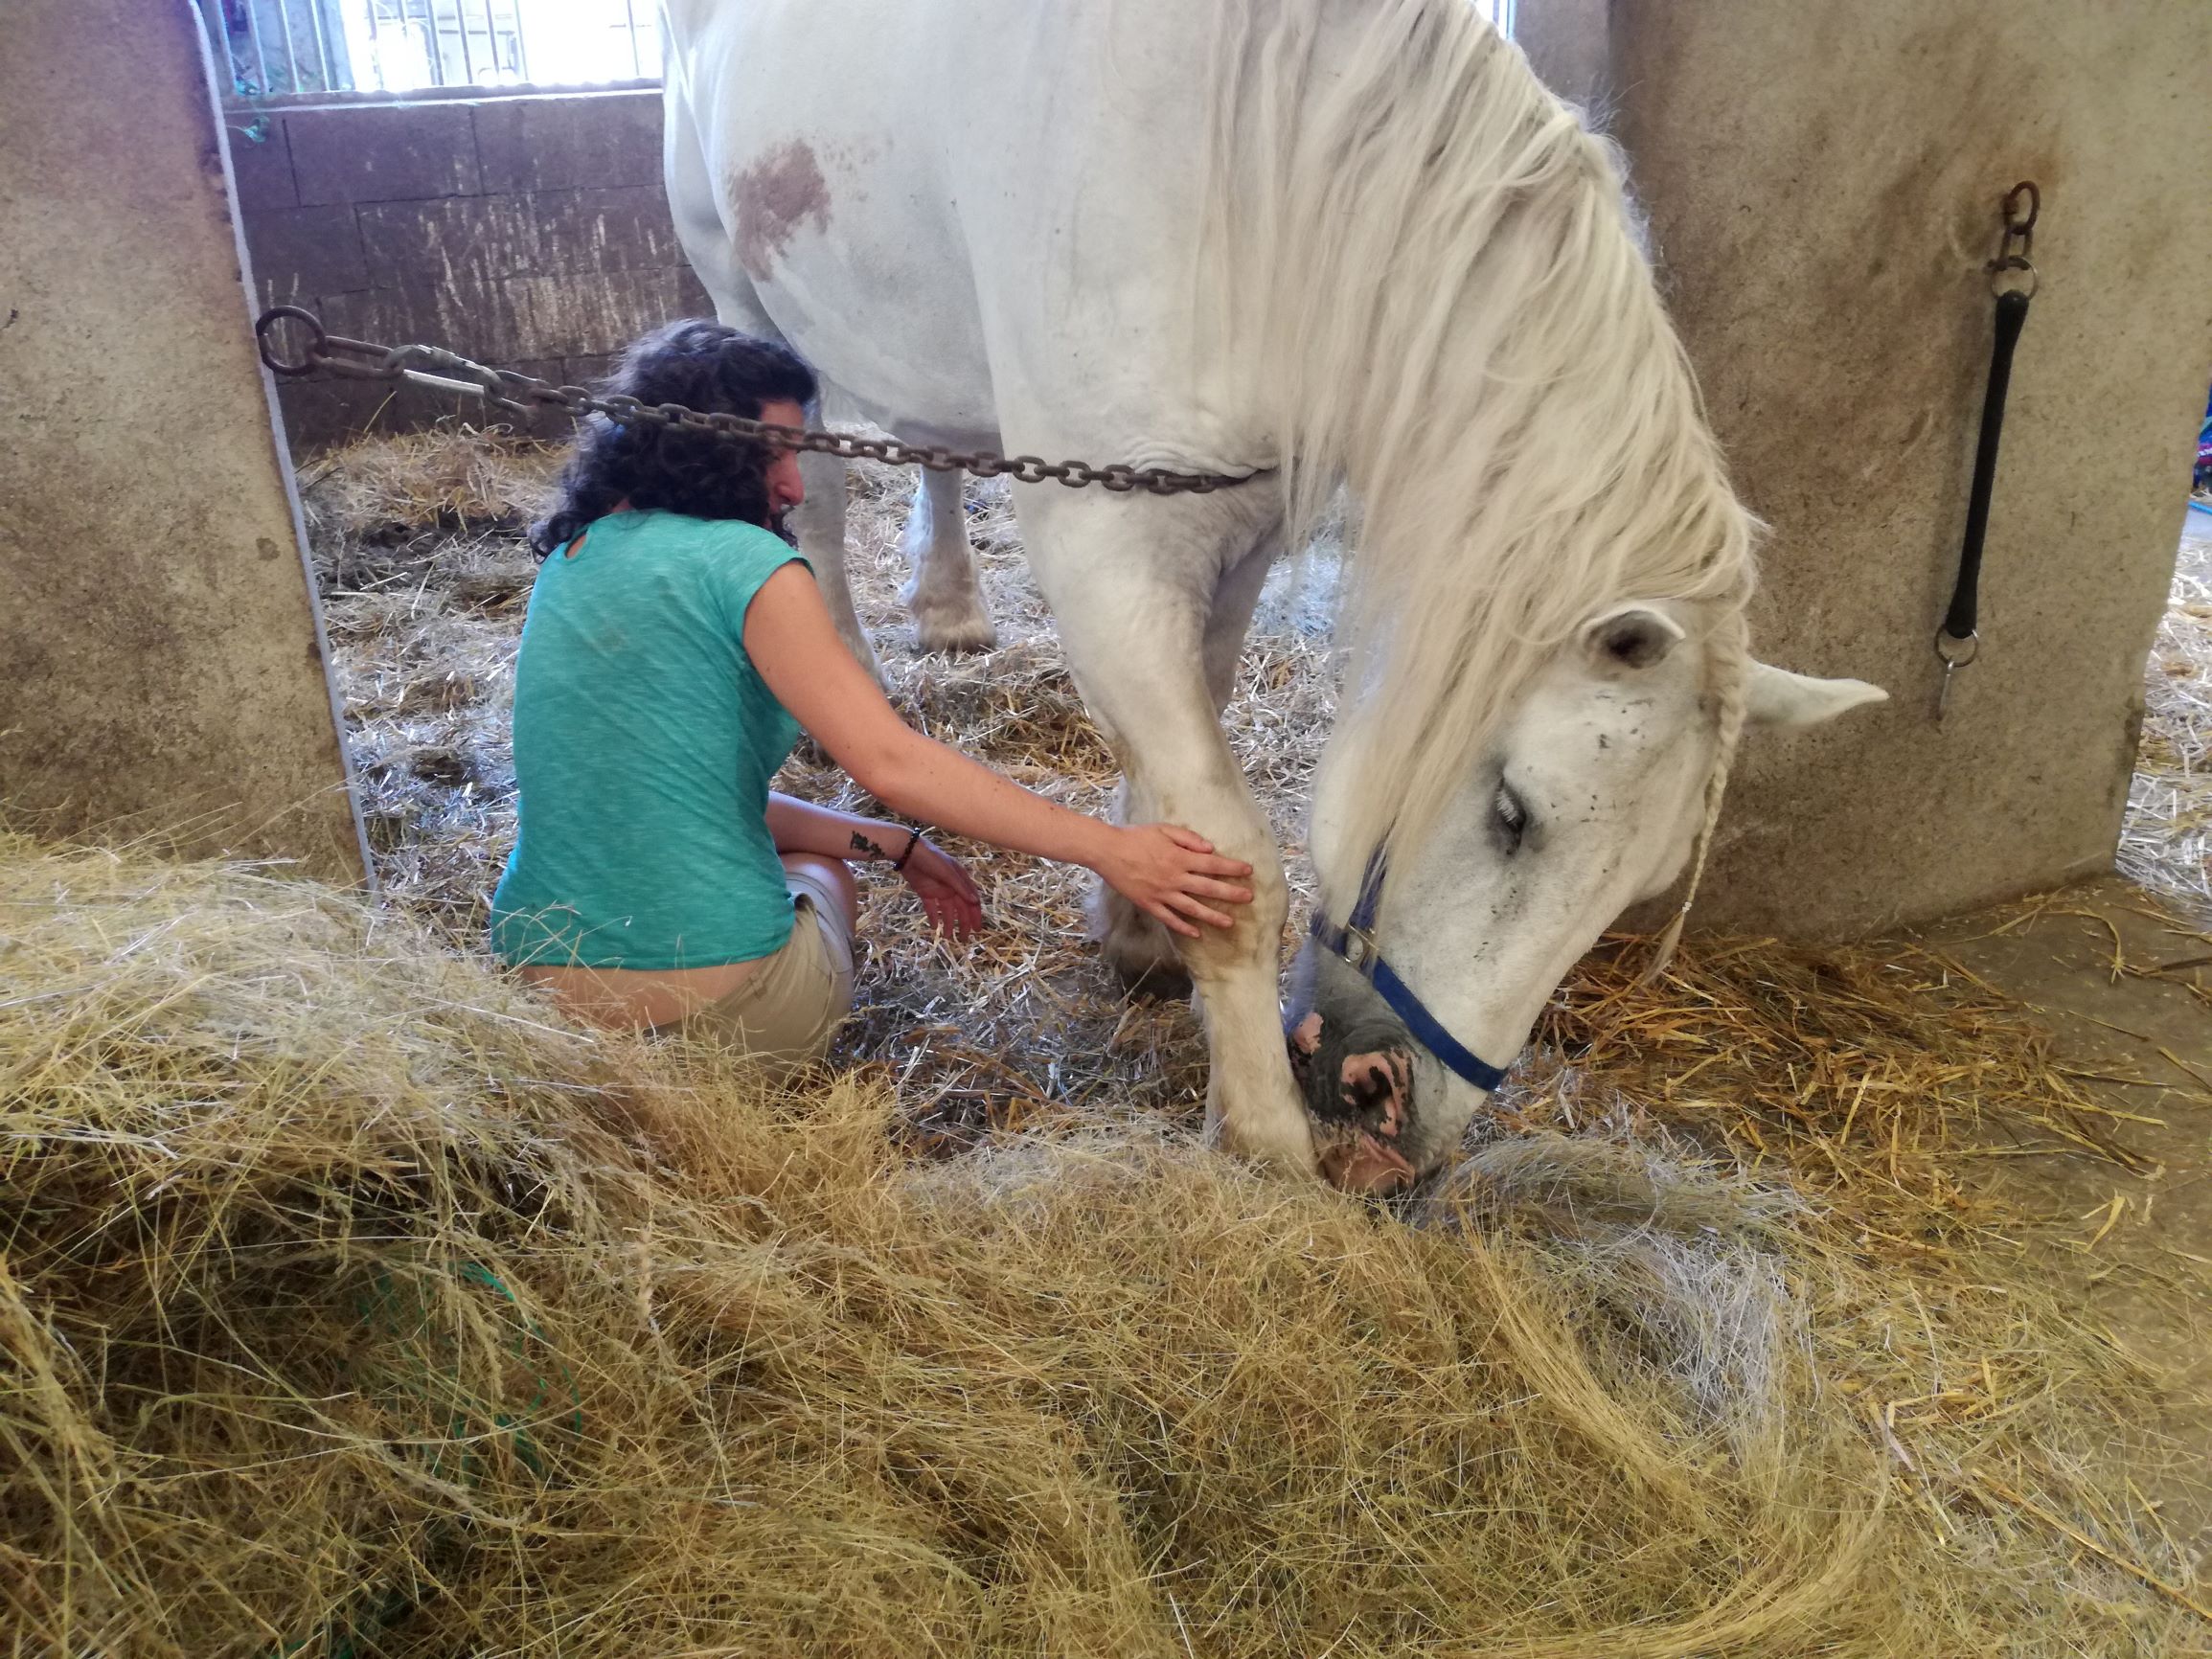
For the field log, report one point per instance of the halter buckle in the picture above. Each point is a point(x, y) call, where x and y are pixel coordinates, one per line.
point(1358, 948)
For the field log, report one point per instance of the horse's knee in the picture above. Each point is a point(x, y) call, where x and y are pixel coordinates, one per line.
point(1256, 937)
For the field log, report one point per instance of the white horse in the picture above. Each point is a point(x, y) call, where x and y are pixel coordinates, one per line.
point(1335, 242)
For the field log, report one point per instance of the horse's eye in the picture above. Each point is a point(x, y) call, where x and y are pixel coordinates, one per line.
point(1509, 817)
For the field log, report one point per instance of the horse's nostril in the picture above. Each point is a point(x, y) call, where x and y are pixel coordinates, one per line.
point(1378, 1087)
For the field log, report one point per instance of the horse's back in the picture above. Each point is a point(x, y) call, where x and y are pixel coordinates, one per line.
point(952, 206)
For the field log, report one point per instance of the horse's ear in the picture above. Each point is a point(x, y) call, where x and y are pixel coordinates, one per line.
point(1629, 636)
point(1777, 697)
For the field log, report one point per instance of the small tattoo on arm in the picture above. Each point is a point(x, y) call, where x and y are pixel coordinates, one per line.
point(862, 844)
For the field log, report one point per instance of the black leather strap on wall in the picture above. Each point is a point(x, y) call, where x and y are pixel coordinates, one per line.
point(1958, 622)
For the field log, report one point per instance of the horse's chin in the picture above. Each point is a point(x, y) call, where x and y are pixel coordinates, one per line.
point(1367, 1166)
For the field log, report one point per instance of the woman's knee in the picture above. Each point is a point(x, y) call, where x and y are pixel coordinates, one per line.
point(833, 875)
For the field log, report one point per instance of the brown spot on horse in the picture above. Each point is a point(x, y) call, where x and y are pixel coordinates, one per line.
point(774, 196)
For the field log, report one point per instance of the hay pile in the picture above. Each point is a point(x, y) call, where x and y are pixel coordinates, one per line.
point(1873, 1075)
point(453, 479)
point(350, 1307)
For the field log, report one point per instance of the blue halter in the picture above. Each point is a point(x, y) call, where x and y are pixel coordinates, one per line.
point(1355, 943)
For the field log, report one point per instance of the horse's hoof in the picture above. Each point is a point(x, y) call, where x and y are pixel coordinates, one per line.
point(1159, 982)
point(1288, 1151)
point(1137, 949)
point(958, 636)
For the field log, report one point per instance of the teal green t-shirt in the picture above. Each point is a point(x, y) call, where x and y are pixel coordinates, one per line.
point(644, 744)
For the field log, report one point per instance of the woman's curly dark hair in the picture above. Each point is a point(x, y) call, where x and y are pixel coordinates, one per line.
point(700, 365)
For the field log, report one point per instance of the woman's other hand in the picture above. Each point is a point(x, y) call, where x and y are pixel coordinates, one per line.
point(948, 896)
point(1173, 876)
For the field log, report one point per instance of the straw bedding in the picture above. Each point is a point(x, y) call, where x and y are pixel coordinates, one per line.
point(350, 1305)
point(425, 578)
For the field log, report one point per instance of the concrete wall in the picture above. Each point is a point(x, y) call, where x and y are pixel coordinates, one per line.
point(530, 232)
point(161, 662)
point(1570, 43)
point(1823, 185)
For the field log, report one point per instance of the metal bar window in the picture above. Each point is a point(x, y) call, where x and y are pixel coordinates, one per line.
point(375, 42)
point(269, 49)
point(322, 44)
point(261, 52)
point(291, 46)
point(460, 28)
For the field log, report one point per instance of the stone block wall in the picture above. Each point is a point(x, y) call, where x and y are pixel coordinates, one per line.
point(530, 232)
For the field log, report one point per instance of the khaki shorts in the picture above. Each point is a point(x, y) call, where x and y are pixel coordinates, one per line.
point(789, 1005)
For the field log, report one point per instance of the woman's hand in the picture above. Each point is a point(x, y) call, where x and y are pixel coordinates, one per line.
point(1175, 875)
point(948, 897)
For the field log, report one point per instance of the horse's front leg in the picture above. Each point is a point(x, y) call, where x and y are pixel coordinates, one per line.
point(1132, 582)
point(1136, 947)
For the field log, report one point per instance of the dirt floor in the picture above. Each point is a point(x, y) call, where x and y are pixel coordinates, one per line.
point(2126, 992)
point(2120, 972)
point(2110, 1193)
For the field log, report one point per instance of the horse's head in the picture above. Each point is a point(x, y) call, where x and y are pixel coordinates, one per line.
point(1592, 795)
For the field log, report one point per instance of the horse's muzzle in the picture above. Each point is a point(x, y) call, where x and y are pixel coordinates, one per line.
point(1355, 1065)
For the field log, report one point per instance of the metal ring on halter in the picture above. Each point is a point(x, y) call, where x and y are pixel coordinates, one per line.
point(2013, 263)
point(266, 335)
point(1957, 654)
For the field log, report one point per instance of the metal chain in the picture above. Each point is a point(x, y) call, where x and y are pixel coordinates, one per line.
point(506, 389)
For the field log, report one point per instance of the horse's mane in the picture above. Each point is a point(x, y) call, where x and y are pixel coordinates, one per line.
point(1434, 270)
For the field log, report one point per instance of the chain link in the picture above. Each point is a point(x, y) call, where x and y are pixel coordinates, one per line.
point(506, 389)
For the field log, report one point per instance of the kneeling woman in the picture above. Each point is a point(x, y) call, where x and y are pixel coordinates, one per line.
point(675, 645)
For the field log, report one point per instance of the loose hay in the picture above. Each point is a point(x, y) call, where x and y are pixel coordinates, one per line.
point(424, 576)
point(349, 1306)
point(385, 491)
point(1871, 1074)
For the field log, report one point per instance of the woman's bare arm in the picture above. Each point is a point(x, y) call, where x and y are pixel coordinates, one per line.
point(947, 891)
point(799, 826)
point(1171, 872)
